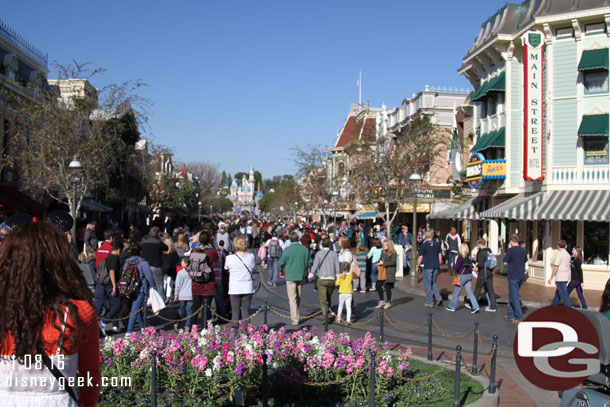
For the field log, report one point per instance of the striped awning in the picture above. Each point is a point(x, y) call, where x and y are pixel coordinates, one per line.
point(520, 207)
point(591, 206)
point(467, 211)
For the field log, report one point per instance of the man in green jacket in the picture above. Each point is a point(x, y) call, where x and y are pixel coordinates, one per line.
point(295, 264)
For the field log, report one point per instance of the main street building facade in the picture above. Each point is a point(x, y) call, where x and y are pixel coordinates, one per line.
point(539, 161)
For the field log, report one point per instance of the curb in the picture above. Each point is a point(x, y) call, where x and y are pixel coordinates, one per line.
point(487, 400)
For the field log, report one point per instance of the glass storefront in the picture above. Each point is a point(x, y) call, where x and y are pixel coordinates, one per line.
point(596, 242)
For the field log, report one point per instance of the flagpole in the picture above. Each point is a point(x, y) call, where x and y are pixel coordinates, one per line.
point(360, 89)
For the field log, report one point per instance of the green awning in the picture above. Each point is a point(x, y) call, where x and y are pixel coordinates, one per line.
point(497, 84)
point(594, 60)
point(593, 125)
point(493, 139)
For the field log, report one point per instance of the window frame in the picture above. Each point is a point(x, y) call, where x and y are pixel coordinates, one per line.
point(584, 82)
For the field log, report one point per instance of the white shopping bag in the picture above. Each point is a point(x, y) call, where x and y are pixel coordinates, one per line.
point(155, 300)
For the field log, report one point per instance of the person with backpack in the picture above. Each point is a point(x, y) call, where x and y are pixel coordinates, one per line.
point(464, 268)
point(201, 271)
point(484, 268)
point(136, 281)
point(241, 287)
point(106, 279)
point(326, 268)
point(274, 252)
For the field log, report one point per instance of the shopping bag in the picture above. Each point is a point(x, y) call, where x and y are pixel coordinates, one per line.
point(155, 300)
point(382, 274)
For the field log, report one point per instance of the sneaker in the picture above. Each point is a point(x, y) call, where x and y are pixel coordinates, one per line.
point(429, 305)
point(387, 305)
point(275, 285)
point(373, 288)
point(176, 328)
point(507, 318)
point(467, 305)
point(102, 325)
point(516, 321)
point(355, 289)
point(269, 283)
point(475, 311)
point(380, 305)
point(362, 291)
point(490, 309)
point(440, 303)
point(116, 329)
point(449, 309)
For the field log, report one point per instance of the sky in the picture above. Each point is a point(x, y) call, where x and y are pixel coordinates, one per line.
point(241, 82)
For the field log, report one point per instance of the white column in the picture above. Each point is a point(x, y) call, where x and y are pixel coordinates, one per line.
point(494, 231)
point(552, 236)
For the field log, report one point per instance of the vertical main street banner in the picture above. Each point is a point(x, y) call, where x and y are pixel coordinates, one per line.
point(533, 91)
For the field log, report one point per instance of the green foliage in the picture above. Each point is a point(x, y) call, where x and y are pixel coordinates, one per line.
point(266, 202)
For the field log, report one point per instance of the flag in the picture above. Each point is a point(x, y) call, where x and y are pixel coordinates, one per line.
point(358, 81)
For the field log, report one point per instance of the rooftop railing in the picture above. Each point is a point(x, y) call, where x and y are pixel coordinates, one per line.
point(24, 46)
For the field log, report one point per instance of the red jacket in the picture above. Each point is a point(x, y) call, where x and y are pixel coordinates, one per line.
point(207, 289)
point(103, 252)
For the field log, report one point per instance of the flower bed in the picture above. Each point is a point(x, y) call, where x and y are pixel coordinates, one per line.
point(207, 368)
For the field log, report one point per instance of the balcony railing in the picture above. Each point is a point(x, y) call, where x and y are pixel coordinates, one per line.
point(588, 174)
point(24, 46)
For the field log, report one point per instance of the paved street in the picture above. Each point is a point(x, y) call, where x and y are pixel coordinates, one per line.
point(408, 312)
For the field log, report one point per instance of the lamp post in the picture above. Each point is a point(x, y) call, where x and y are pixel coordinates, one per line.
point(296, 212)
point(75, 169)
point(415, 180)
point(199, 211)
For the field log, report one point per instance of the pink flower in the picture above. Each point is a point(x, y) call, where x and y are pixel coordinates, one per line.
point(118, 347)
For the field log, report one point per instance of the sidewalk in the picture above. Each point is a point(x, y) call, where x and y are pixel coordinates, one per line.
point(532, 295)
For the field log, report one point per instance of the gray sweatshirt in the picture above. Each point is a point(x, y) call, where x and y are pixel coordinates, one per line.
point(184, 290)
point(325, 265)
point(224, 236)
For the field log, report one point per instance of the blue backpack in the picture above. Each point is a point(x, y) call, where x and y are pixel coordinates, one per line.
point(491, 262)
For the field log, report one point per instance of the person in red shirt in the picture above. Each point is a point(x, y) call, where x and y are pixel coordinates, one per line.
point(52, 319)
point(305, 239)
point(205, 291)
point(105, 249)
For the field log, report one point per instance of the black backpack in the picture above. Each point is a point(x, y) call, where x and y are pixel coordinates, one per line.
point(102, 276)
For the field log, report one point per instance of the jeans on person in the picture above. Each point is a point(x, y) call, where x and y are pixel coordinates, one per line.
point(219, 300)
point(345, 300)
point(574, 284)
point(465, 283)
point(514, 302)
point(185, 309)
point(274, 269)
point(101, 293)
point(430, 285)
point(452, 258)
point(294, 290)
point(561, 293)
point(158, 276)
point(135, 306)
point(325, 292)
point(373, 274)
point(240, 306)
point(485, 280)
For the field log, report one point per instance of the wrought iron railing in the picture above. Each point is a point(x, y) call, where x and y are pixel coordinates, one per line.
point(24, 46)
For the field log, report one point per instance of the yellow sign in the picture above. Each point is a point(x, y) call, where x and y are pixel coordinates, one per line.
point(408, 207)
point(494, 169)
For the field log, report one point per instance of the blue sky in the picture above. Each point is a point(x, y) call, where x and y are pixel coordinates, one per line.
point(235, 82)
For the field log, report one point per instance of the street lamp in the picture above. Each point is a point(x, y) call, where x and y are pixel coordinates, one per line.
point(296, 211)
point(199, 204)
point(75, 169)
point(415, 180)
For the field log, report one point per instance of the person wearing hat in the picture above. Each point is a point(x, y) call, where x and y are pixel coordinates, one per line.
point(64, 221)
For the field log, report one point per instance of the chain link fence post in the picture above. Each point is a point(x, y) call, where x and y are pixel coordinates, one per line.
point(372, 380)
point(205, 313)
point(458, 366)
point(382, 317)
point(475, 348)
point(429, 336)
point(153, 380)
point(265, 379)
point(265, 317)
point(492, 374)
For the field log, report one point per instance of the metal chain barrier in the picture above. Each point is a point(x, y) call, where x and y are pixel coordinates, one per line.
point(232, 321)
point(181, 319)
point(123, 318)
point(342, 322)
point(483, 348)
point(288, 317)
point(419, 379)
point(445, 333)
point(323, 384)
point(410, 330)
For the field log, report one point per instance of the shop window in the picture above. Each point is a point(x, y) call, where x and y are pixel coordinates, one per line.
point(562, 33)
point(568, 233)
point(492, 100)
point(596, 150)
point(596, 242)
point(341, 170)
point(595, 28)
point(595, 82)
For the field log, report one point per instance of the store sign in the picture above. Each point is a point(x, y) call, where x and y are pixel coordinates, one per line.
point(408, 207)
point(494, 169)
point(533, 131)
point(474, 170)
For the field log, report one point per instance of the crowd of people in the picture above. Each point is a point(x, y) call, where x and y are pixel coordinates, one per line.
point(60, 291)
